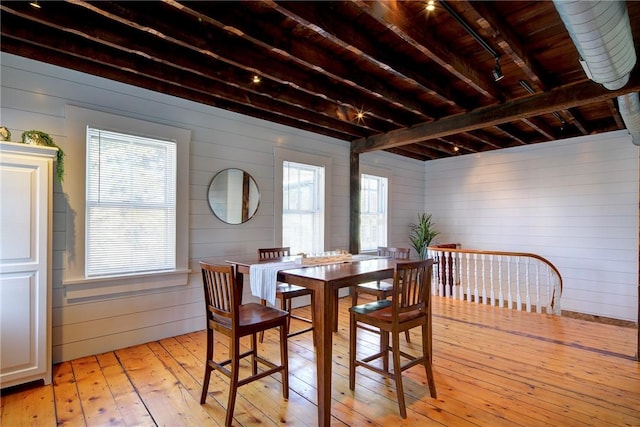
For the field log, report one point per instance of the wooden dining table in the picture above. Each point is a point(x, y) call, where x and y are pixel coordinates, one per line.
point(325, 281)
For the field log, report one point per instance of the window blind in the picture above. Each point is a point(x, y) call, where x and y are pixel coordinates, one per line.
point(131, 204)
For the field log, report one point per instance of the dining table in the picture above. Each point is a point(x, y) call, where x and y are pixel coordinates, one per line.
point(325, 281)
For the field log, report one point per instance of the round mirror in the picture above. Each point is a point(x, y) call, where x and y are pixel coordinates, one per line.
point(233, 196)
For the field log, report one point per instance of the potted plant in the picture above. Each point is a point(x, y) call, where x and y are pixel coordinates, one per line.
point(422, 234)
point(42, 138)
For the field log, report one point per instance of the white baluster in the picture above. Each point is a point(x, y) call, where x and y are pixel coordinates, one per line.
point(538, 302)
point(493, 295)
point(447, 288)
point(518, 296)
point(434, 275)
point(440, 281)
point(476, 291)
point(500, 284)
point(454, 274)
point(484, 279)
point(460, 284)
point(527, 287)
point(468, 277)
point(509, 293)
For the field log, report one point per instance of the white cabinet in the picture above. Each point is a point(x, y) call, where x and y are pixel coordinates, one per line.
point(26, 174)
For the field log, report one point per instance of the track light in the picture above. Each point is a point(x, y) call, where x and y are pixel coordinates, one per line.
point(497, 71)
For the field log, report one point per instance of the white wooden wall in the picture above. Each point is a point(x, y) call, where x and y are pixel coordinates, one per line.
point(33, 96)
point(575, 202)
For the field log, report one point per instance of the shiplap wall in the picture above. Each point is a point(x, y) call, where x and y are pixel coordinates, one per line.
point(33, 96)
point(575, 202)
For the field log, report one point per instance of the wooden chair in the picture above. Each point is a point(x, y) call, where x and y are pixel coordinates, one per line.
point(409, 307)
point(286, 292)
point(381, 288)
point(226, 314)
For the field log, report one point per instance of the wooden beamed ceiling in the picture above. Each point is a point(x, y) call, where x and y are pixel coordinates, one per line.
point(381, 75)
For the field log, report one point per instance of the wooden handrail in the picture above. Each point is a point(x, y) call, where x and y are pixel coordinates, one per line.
point(502, 253)
point(554, 299)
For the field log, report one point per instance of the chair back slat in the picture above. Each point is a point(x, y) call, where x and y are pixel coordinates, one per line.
point(268, 253)
point(219, 290)
point(396, 253)
point(412, 286)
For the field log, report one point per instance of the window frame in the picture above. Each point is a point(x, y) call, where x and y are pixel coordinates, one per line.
point(77, 284)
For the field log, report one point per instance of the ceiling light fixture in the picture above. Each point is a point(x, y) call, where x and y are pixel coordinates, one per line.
point(497, 71)
point(255, 79)
point(431, 6)
point(35, 4)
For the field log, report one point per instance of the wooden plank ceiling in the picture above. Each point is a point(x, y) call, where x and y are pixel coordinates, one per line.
point(383, 75)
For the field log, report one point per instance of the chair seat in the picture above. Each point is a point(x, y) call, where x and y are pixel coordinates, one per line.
point(381, 286)
point(291, 291)
point(382, 310)
point(252, 313)
point(368, 308)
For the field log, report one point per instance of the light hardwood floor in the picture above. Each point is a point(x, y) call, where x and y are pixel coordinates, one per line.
point(493, 367)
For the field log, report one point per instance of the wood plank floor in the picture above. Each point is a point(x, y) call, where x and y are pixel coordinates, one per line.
point(493, 367)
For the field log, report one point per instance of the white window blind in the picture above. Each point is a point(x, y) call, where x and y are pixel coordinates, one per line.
point(130, 204)
point(303, 207)
point(373, 212)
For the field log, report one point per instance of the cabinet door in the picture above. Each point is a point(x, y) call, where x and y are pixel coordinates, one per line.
point(24, 265)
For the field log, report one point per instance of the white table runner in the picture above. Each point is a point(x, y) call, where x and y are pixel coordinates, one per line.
point(262, 278)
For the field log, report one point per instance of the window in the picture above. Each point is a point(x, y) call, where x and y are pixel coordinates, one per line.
point(373, 212)
point(302, 220)
point(303, 207)
point(130, 204)
point(127, 200)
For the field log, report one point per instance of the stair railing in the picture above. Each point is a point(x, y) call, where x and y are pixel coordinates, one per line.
point(516, 280)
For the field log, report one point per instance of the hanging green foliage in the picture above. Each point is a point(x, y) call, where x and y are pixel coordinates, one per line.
point(42, 138)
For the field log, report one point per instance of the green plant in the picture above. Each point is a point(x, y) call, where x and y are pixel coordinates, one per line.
point(422, 234)
point(5, 134)
point(42, 138)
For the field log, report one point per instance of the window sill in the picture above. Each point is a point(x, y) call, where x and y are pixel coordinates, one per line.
point(112, 285)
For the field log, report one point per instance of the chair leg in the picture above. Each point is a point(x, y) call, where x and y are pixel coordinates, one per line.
point(397, 373)
point(286, 306)
point(313, 320)
point(284, 360)
point(428, 353)
point(335, 311)
point(207, 367)
point(234, 351)
point(354, 296)
point(384, 348)
point(352, 351)
point(254, 355)
point(263, 302)
point(429, 334)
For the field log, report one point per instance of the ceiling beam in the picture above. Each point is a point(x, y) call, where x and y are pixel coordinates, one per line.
point(561, 98)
